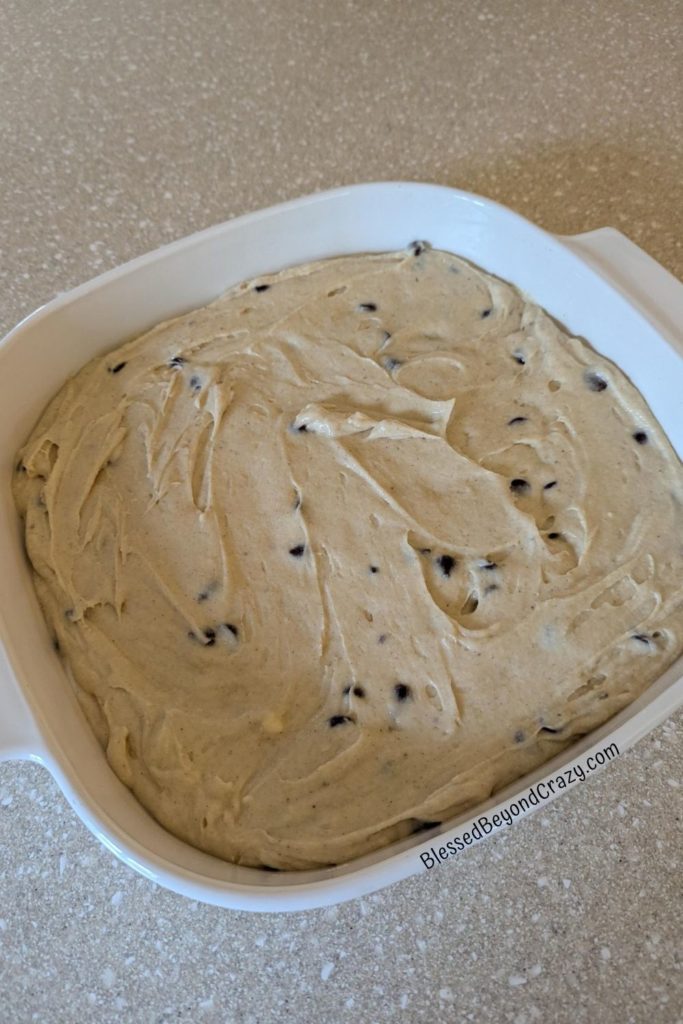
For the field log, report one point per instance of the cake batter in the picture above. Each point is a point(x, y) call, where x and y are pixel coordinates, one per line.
point(344, 552)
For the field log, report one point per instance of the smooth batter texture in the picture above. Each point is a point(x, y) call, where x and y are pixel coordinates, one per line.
point(346, 551)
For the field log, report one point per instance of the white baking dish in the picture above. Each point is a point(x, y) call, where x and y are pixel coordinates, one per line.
point(599, 285)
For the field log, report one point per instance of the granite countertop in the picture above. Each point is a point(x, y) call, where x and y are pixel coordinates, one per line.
point(127, 124)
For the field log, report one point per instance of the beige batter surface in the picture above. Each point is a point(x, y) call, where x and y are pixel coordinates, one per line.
point(348, 550)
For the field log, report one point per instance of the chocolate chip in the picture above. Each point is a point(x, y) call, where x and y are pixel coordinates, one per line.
point(446, 563)
point(297, 551)
point(176, 362)
point(520, 736)
point(338, 720)
point(195, 383)
point(261, 287)
point(486, 312)
point(515, 420)
point(417, 248)
point(424, 826)
point(232, 629)
point(554, 535)
point(547, 487)
point(401, 691)
point(374, 568)
point(207, 637)
point(640, 436)
point(117, 368)
point(519, 486)
point(641, 638)
point(594, 381)
point(367, 307)
point(519, 358)
point(358, 691)
point(302, 428)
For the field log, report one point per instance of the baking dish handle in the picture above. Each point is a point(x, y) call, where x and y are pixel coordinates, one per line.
point(652, 289)
point(19, 735)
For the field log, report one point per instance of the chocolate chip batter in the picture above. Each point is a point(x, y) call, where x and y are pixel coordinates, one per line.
point(348, 550)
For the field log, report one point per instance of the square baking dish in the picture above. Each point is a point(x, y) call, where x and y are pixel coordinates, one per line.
point(599, 285)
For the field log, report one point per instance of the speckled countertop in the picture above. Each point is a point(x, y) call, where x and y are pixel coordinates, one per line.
point(126, 124)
